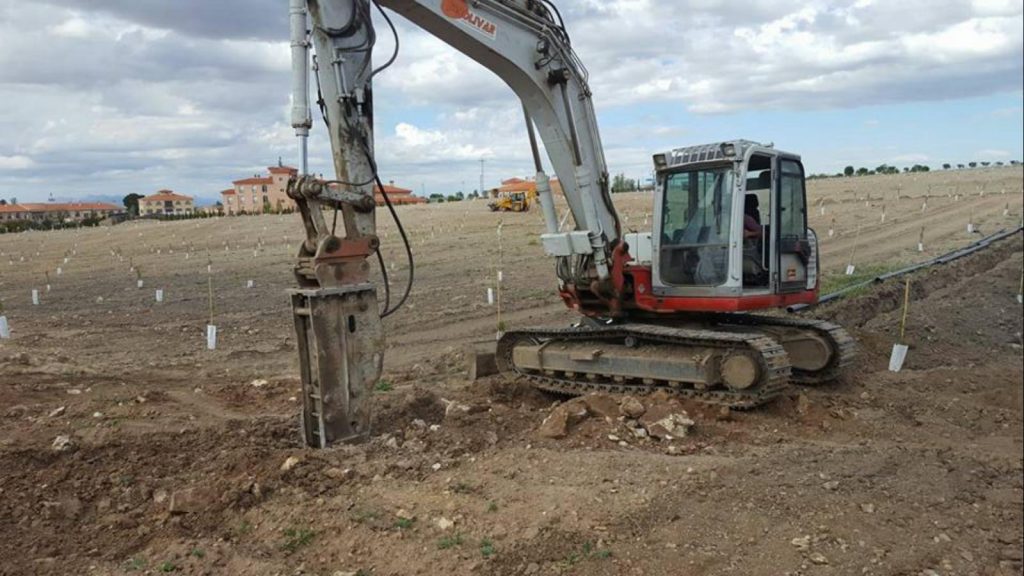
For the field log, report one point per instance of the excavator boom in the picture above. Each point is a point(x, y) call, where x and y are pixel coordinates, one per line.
point(524, 42)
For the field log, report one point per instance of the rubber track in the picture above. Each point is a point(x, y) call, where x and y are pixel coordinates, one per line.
point(844, 346)
point(775, 368)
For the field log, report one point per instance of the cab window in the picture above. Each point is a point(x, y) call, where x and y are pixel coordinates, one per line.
point(696, 221)
point(792, 202)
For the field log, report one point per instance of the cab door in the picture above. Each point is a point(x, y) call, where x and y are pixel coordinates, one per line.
point(793, 249)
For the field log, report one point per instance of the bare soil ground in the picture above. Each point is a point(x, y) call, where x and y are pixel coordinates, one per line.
point(183, 460)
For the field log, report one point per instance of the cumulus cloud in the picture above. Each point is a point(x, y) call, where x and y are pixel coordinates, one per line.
point(18, 162)
point(260, 19)
point(816, 54)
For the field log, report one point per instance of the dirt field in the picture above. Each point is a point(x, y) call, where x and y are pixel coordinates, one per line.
point(182, 460)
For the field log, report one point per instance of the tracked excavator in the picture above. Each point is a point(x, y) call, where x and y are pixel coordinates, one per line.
point(672, 308)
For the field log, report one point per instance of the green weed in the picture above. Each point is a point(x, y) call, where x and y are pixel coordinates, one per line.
point(364, 516)
point(449, 542)
point(404, 523)
point(487, 548)
point(588, 551)
point(243, 528)
point(835, 282)
point(296, 538)
point(461, 488)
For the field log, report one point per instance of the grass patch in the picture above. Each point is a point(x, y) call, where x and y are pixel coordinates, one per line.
point(365, 516)
point(588, 551)
point(296, 538)
point(487, 548)
point(404, 523)
point(197, 553)
point(492, 506)
point(135, 564)
point(449, 542)
point(838, 281)
point(244, 527)
point(384, 386)
point(168, 567)
point(461, 488)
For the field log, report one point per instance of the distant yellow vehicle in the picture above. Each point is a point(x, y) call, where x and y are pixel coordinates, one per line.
point(512, 202)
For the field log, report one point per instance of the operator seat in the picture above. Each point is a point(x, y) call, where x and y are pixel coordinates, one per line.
point(754, 273)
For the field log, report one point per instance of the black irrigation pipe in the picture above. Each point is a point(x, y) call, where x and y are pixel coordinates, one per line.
point(944, 259)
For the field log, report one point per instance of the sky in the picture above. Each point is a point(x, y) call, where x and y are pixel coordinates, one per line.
point(109, 97)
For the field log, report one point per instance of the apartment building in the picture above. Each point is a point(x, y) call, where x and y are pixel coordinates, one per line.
point(260, 194)
point(57, 211)
point(166, 203)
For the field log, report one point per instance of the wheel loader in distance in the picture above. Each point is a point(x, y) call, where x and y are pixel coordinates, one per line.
point(511, 202)
point(672, 308)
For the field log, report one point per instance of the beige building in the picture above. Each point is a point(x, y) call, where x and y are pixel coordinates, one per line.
point(166, 203)
point(60, 212)
point(260, 194)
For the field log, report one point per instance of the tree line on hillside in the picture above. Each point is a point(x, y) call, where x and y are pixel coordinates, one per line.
point(850, 171)
point(58, 221)
point(437, 198)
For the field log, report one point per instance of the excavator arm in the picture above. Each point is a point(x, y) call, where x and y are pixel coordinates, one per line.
point(522, 41)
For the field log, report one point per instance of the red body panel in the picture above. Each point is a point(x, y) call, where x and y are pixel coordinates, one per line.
point(646, 300)
point(641, 298)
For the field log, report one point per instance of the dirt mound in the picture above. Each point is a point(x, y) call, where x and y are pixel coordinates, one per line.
point(854, 312)
point(397, 411)
point(962, 313)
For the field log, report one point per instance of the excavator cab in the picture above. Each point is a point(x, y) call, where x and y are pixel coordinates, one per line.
point(731, 229)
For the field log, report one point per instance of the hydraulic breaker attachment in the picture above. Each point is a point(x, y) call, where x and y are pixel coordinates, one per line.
point(340, 341)
point(337, 319)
